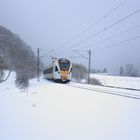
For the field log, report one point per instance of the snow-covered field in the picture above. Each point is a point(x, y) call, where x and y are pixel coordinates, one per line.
point(118, 81)
point(50, 111)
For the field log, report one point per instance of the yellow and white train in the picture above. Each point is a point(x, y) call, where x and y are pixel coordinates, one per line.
point(59, 71)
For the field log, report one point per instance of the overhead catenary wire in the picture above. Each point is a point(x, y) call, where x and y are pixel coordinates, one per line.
point(93, 24)
point(118, 43)
point(106, 28)
point(47, 53)
point(111, 37)
point(99, 20)
point(76, 51)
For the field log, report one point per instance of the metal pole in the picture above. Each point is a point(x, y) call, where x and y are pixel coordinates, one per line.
point(1, 58)
point(89, 62)
point(38, 65)
point(89, 65)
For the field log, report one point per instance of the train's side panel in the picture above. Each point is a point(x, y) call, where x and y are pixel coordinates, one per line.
point(48, 73)
point(48, 76)
point(56, 71)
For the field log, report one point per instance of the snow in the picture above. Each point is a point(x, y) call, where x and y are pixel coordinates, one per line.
point(50, 111)
point(118, 81)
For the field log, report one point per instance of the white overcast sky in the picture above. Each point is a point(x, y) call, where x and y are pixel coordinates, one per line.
point(47, 24)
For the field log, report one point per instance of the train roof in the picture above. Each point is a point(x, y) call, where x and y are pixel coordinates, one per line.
point(57, 59)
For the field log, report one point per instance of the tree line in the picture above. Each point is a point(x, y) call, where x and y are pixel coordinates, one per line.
point(129, 70)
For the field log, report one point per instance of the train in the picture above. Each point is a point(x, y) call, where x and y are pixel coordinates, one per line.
point(60, 70)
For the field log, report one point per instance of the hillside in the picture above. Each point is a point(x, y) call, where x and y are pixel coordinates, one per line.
point(16, 55)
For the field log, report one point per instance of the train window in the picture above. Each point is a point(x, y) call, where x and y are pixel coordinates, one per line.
point(47, 71)
point(64, 64)
point(56, 69)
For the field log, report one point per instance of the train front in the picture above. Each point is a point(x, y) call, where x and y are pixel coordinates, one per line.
point(65, 69)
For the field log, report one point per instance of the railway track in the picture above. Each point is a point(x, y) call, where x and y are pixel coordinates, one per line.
point(111, 92)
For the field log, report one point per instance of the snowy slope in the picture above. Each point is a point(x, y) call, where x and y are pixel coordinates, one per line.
point(118, 81)
point(50, 111)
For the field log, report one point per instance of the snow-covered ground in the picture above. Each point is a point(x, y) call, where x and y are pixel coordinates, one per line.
point(118, 81)
point(50, 111)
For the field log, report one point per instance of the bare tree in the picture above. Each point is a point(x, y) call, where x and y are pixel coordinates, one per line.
point(130, 70)
point(121, 71)
point(79, 72)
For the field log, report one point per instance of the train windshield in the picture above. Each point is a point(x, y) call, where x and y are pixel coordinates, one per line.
point(64, 64)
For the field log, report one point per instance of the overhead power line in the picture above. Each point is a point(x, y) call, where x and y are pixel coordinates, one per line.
point(108, 27)
point(47, 53)
point(77, 51)
point(93, 24)
point(113, 36)
point(118, 43)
